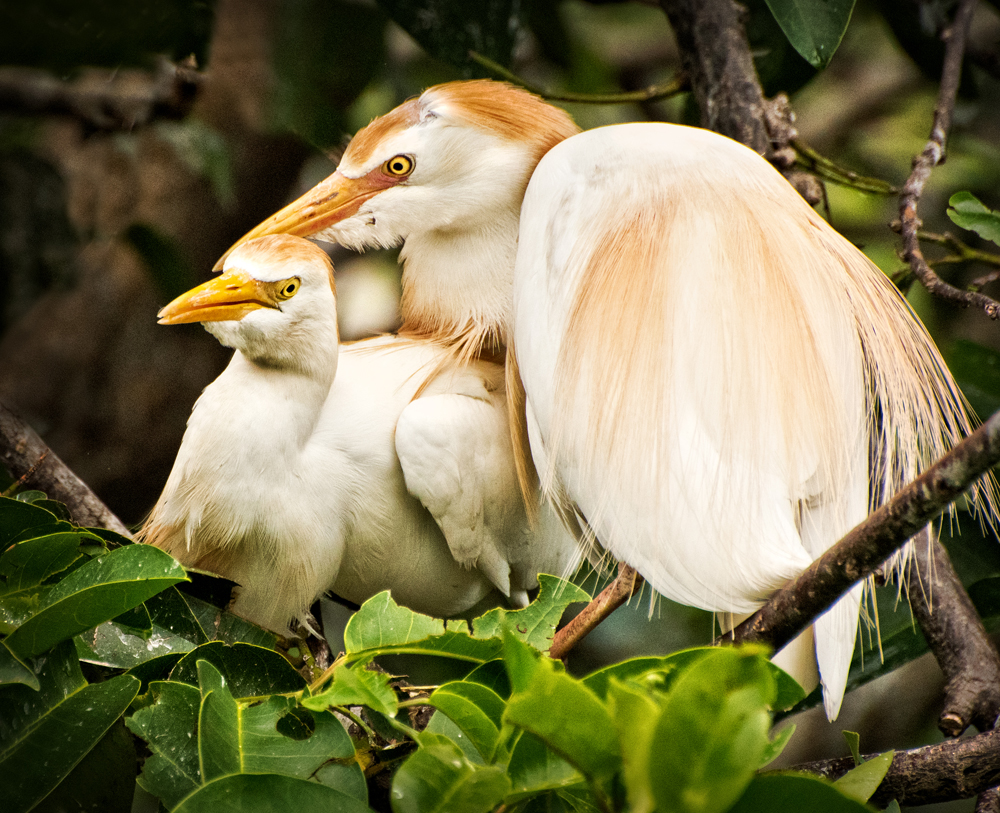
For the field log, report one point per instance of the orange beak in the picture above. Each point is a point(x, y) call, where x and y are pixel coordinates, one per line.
point(228, 297)
point(327, 203)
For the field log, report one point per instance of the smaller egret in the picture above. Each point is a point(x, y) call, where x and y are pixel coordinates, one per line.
point(309, 467)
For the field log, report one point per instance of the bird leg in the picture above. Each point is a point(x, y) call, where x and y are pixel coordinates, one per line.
point(956, 636)
point(610, 599)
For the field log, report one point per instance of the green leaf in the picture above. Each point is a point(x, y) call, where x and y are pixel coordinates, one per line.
point(776, 745)
point(45, 733)
point(861, 782)
point(315, 42)
point(492, 675)
point(21, 520)
point(448, 30)
point(712, 731)
point(202, 734)
point(14, 670)
point(99, 590)
point(440, 779)
point(356, 685)
point(977, 371)
point(635, 714)
point(535, 768)
point(27, 564)
point(381, 626)
point(536, 623)
point(443, 726)
point(790, 791)
point(970, 213)
point(853, 740)
point(249, 671)
point(247, 793)
point(813, 27)
point(561, 712)
point(169, 727)
point(475, 709)
point(665, 669)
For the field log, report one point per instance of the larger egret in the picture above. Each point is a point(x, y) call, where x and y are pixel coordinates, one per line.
point(309, 467)
point(718, 384)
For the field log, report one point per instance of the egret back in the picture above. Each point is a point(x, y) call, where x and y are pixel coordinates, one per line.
point(711, 370)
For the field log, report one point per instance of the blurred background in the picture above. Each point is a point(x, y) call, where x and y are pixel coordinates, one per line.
point(139, 140)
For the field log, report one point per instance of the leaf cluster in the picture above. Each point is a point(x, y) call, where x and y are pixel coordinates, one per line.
point(96, 631)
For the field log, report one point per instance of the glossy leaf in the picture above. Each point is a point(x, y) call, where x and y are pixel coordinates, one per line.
point(45, 733)
point(440, 779)
point(492, 675)
point(27, 564)
point(535, 624)
point(169, 727)
point(449, 29)
point(442, 725)
point(790, 791)
point(813, 27)
point(271, 793)
point(250, 671)
point(21, 520)
point(247, 737)
point(97, 591)
point(712, 732)
point(635, 716)
point(560, 711)
point(14, 670)
point(381, 626)
point(475, 709)
point(356, 685)
point(535, 768)
point(862, 781)
point(967, 211)
point(777, 744)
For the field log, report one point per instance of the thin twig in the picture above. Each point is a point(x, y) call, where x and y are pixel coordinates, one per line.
point(26, 456)
point(610, 599)
point(675, 86)
point(822, 166)
point(933, 154)
point(859, 554)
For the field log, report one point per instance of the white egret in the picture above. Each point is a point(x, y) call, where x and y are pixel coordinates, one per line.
point(309, 467)
point(718, 385)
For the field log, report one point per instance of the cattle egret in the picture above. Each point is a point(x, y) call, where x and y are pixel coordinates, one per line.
point(718, 385)
point(309, 467)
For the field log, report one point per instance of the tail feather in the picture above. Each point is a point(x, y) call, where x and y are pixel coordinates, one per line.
point(835, 632)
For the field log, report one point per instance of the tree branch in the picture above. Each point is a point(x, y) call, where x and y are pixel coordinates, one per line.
point(933, 154)
point(956, 635)
point(792, 608)
point(716, 57)
point(105, 100)
point(26, 456)
point(955, 769)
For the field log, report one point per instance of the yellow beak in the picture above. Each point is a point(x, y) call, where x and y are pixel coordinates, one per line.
point(327, 203)
point(228, 297)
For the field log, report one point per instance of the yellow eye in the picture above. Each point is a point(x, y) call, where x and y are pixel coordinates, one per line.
point(398, 166)
point(289, 288)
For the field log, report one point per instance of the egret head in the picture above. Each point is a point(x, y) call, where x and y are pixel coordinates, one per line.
point(274, 301)
point(448, 160)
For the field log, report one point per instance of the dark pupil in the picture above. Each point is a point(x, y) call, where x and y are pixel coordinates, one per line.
point(397, 166)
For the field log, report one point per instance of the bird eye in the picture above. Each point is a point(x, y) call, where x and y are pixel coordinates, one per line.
point(398, 166)
point(289, 288)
